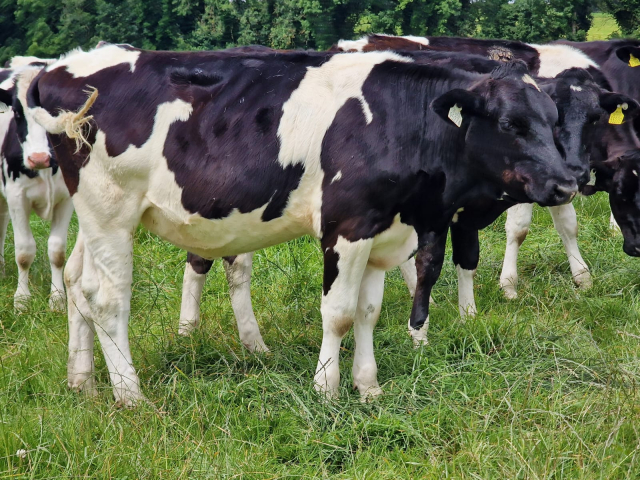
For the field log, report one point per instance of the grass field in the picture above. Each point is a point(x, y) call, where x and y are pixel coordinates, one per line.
point(543, 387)
point(602, 26)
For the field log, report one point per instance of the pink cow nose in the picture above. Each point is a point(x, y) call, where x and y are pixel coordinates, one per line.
point(38, 161)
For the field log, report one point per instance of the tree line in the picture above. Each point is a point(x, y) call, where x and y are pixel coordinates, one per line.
point(48, 28)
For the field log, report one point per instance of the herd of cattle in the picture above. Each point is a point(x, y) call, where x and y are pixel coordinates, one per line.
point(378, 147)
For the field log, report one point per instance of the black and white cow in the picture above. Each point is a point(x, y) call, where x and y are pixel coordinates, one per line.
point(23, 148)
point(227, 153)
point(544, 61)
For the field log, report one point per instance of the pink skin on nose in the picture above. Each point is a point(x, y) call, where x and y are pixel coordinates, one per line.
point(37, 161)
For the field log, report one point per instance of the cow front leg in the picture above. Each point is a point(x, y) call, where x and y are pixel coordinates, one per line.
point(365, 370)
point(429, 260)
point(57, 249)
point(344, 265)
point(106, 284)
point(566, 223)
point(4, 223)
point(25, 248)
point(466, 254)
point(195, 274)
point(81, 329)
point(238, 270)
point(517, 227)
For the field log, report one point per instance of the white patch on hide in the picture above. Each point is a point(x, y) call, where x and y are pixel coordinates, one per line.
point(84, 64)
point(557, 58)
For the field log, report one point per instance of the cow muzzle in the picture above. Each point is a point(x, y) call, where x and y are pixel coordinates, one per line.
point(558, 193)
point(38, 161)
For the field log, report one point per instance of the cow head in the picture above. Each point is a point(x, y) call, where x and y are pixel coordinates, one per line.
point(509, 138)
point(36, 150)
point(582, 107)
point(619, 177)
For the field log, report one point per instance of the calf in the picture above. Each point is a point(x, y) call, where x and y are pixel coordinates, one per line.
point(24, 190)
point(545, 61)
point(229, 153)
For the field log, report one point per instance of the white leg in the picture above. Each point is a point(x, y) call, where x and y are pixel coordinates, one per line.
point(339, 305)
point(365, 370)
point(517, 227)
point(62, 213)
point(613, 225)
point(106, 284)
point(566, 223)
point(466, 298)
point(192, 286)
point(239, 278)
point(4, 222)
point(408, 270)
point(25, 248)
point(81, 329)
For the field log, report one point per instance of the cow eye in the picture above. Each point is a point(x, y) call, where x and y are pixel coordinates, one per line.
point(513, 127)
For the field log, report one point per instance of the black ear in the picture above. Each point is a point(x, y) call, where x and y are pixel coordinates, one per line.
point(610, 101)
point(466, 102)
point(6, 99)
point(625, 54)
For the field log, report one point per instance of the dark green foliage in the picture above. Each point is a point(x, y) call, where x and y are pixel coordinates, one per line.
point(49, 28)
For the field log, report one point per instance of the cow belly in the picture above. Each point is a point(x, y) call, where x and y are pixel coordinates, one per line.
point(238, 233)
point(394, 246)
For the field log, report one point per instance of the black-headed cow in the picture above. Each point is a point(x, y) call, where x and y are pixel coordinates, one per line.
point(543, 61)
point(223, 154)
point(31, 182)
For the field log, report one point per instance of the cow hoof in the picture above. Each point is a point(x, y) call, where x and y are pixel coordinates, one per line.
point(419, 336)
point(58, 302)
point(83, 385)
point(187, 327)
point(583, 280)
point(370, 394)
point(510, 292)
point(131, 400)
point(256, 346)
point(21, 303)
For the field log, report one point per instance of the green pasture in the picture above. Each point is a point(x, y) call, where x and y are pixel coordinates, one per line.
point(543, 387)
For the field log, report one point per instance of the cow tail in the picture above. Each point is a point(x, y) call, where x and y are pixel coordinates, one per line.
point(73, 124)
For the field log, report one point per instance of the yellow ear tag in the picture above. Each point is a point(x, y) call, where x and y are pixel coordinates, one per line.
point(617, 117)
point(455, 116)
point(633, 61)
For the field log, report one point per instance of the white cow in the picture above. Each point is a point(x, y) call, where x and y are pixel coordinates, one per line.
point(24, 190)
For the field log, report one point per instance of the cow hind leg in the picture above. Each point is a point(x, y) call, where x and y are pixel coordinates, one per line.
point(195, 274)
point(517, 227)
point(57, 248)
point(344, 265)
point(365, 370)
point(4, 223)
point(566, 223)
point(238, 270)
point(81, 329)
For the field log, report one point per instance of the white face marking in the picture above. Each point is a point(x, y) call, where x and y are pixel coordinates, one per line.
point(83, 64)
point(635, 172)
point(337, 176)
point(527, 79)
point(557, 58)
point(36, 140)
point(575, 88)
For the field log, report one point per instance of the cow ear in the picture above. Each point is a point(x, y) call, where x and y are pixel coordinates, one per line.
point(620, 106)
point(458, 105)
point(6, 99)
point(629, 55)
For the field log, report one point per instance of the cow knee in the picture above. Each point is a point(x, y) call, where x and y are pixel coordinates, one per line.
point(25, 255)
point(57, 254)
